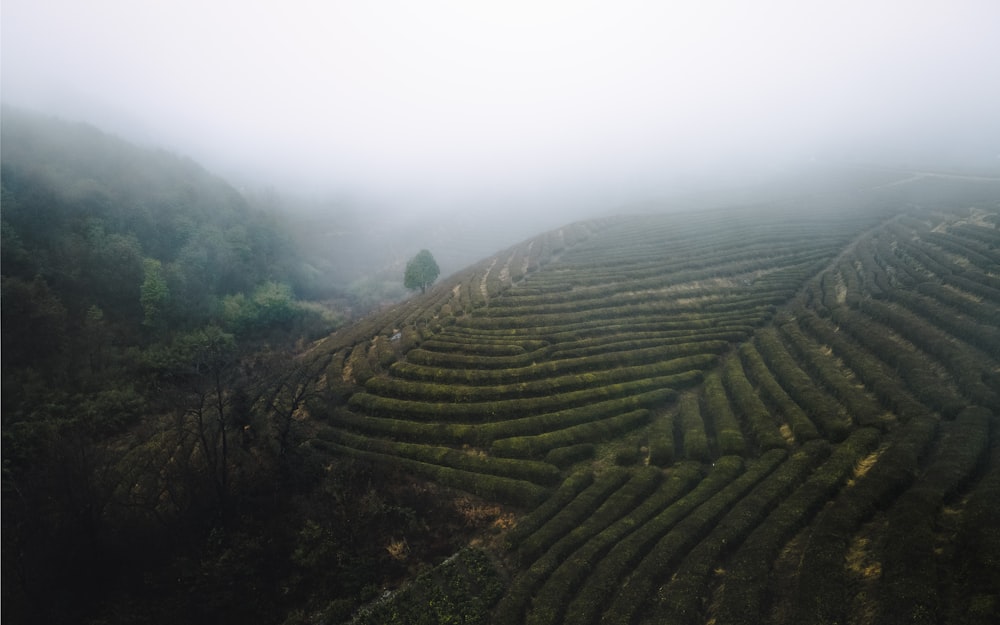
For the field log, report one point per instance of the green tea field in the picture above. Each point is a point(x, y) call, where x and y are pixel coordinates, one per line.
point(787, 413)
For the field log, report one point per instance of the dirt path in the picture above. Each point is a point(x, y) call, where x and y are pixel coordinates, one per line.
point(482, 285)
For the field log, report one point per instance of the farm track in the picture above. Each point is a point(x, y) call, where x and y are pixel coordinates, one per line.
point(674, 402)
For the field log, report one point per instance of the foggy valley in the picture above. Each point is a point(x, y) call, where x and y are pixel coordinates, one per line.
point(494, 123)
point(500, 312)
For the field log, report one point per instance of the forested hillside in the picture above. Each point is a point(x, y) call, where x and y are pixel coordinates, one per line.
point(149, 321)
point(781, 414)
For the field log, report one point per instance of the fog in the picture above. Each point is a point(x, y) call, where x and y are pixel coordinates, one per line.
point(520, 108)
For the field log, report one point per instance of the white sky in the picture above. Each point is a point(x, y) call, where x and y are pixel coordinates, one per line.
point(463, 95)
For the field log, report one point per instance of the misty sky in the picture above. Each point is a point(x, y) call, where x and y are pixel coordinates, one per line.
point(449, 97)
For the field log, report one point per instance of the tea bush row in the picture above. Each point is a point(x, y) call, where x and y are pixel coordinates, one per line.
point(563, 332)
point(692, 428)
point(552, 601)
point(512, 606)
point(978, 577)
point(457, 404)
point(743, 599)
point(476, 348)
point(492, 487)
point(482, 434)
point(681, 599)
point(952, 298)
point(563, 457)
point(605, 577)
point(909, 565)
point(541, 473)
point(598, 314)
point(911, 365)
point(801, 427)
point(987, 237)
point(929, 258)
point(670, 358)
point(570, 488)
point(965, 365)
point(970, 282)
point(661, 439)
point(554, 596)
point(571, 515)
point(876, 375)
point(873, 276)
point(668, 550)
point(863, 408)
point(967, 249)
point(822, 591)
point(736, 378)
point(822, 409)
point(453, 359)
point(728, 435)
point(536, 445)
point(640, 340)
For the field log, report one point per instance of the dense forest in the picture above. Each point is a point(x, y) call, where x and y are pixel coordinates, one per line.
point(781, 412)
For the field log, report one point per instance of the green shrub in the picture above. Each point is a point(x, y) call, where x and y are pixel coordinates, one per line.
point(661, 439)
point(538, 472)
point(605, 579)
point(563, 457)
point(556, 595)
point(801, 427)
point(728, 436)
point(571, 515)
point(603, 429)
point(482, 434)
point(746, 402)
point(410, 399)
point(822, 591)
point(496, 488)
point(909, 565)
point(910, 365)
point(550, 600)
point(461, 589)
point(692, 428)
point(668, 550)
point(822, 409)
point(571, 487)
point(963, 248)
point(564, 540)
point(864, 409)
point(966, 366)
point(673, 358)
point(875, 375)
point(681, 600)
point(742, 601)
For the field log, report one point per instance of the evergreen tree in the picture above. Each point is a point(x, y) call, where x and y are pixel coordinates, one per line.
point(421, 271)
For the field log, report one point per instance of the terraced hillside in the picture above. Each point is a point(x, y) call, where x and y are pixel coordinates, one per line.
point(781, 414)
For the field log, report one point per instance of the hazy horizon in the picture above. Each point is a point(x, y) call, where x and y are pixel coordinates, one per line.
point(449, 105)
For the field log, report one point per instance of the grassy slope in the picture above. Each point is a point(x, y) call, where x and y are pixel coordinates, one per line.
point(852, 319)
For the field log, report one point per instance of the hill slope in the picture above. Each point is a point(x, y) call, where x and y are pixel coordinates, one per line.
point(135, 285)
point(785, 414)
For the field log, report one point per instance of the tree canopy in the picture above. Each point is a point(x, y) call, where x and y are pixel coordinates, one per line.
point(421, 271)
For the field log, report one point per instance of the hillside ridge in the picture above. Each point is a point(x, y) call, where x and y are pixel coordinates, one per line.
point(803, 343)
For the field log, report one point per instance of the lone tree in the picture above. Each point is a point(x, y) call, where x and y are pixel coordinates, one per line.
point(421, 271)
